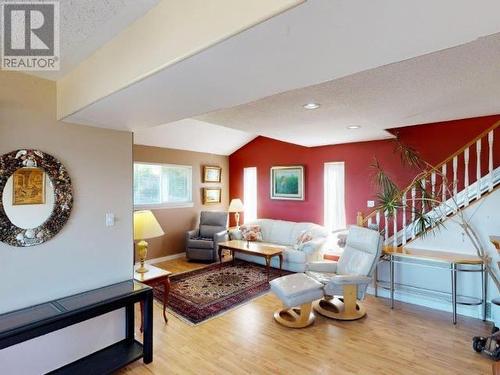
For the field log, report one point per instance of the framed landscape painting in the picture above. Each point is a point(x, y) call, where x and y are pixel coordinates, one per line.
point(211, 174)
point(212, 195)
point(287, 182)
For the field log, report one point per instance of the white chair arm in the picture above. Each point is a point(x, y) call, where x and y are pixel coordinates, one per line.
point(350, 280)
point(323, 266)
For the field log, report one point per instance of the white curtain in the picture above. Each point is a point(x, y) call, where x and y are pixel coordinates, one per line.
point(334, 196)
point(250, 194)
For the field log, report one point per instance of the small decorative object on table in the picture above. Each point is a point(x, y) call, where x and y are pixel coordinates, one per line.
point(156, 276)
point(145, 227)
point(211, 174)
point(236, 206)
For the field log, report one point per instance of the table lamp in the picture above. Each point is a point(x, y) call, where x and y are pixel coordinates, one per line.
point(145, 226)
point(236, 206)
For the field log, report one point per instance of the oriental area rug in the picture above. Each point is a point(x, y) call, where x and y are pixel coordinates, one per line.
point(202, 294)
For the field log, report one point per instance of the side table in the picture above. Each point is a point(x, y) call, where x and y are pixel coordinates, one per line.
point(154, 277)
point(453, 262)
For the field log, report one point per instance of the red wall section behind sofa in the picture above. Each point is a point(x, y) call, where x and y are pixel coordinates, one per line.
point(434, 142)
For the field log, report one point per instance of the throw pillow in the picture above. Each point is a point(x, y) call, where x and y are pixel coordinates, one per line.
point(235, 234)
point(303, 238)
point(251, 232)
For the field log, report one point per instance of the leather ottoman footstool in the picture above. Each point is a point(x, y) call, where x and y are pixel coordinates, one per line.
point(297, 292)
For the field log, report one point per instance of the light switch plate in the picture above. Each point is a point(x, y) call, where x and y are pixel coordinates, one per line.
point(370, 204)
point(110, 219)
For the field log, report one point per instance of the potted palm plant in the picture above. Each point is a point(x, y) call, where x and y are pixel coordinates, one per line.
point(432, 204)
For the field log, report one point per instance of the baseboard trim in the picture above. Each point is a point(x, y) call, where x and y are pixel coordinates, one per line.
point(166, 258)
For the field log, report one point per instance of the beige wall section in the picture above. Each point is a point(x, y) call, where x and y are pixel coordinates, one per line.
point(176, 221)
point(85, 254)
point(168, 33)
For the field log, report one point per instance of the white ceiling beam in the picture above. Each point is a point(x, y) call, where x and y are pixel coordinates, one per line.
point(169, 33)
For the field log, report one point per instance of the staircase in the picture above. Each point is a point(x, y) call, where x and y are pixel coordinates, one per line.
point(472, 172)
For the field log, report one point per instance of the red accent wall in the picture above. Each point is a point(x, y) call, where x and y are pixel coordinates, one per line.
point(434, 141)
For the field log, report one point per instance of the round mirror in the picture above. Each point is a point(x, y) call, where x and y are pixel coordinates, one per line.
point(28, 198)
point(36, 197)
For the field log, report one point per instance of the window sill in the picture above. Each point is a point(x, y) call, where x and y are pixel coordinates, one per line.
point(162, 206)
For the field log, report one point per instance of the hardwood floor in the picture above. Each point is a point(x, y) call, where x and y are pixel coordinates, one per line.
point(407, 340)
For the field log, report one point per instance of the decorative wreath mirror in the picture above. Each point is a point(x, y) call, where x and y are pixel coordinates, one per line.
point(35, 197)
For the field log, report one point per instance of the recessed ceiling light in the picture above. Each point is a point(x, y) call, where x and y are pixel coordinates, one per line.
point(311, 106)
point(353, 127)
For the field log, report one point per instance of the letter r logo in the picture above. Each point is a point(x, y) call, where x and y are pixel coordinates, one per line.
point(29, 35)
point(28, 29)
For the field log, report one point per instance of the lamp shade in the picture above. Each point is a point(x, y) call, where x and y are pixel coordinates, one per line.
point(146, 226)
point(236, 205)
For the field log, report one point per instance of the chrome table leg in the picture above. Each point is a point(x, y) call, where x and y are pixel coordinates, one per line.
point(484, 279)
point(391, 264)
point(454, 291)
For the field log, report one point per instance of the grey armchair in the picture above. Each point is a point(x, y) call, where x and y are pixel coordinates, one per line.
point(202, 243)
point(345, 282)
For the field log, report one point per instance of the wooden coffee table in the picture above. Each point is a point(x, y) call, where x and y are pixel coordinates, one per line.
point(253, 248)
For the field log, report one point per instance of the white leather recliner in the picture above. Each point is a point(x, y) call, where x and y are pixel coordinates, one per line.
point(345, 282)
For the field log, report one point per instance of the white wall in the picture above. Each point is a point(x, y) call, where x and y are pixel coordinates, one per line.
point(85, 254)
point(484, 216)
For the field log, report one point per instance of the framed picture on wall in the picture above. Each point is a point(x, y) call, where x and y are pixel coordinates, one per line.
point(211, 174)
point(28, 186)
point(212, 195)
point(287, 182)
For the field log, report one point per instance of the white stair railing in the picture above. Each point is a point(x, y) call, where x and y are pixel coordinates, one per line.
point(398, 231)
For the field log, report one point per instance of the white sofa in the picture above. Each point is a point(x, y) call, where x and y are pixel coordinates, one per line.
point(285, 233)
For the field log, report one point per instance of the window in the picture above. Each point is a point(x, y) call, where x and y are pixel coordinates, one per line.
point(250, 193)
point(162, 185)
point(334, 196)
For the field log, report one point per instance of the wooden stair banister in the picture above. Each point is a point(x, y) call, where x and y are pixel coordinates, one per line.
point(360, 219)
point(495, 240)
point(408, 197)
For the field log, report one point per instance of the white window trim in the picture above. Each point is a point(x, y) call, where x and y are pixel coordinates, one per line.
point(167, 205)
point(162, 206)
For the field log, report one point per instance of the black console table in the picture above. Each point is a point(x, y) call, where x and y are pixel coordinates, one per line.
point(25, 324)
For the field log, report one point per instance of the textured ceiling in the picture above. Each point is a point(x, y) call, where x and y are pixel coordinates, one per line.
point(362, 59)
point(86, 25)
point(455, 83)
